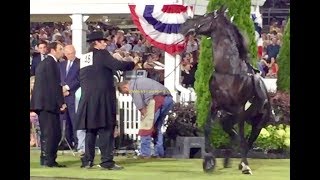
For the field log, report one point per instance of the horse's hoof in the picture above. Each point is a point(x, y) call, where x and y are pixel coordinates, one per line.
point(246, 169)
point(240, 166)
point(209, 164)
point(226, 163)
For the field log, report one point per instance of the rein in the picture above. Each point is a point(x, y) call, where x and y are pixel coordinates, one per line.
point(231, 74)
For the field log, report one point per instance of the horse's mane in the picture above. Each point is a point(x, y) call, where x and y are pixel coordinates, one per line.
point(239, 40)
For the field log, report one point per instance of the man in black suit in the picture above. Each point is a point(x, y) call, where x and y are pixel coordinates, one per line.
point(97, 107)
point(69, 72)
point(48, 102)
point(38, 57)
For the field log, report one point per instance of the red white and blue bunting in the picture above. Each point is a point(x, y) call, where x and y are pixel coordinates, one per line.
point(257, 20)
point(160, 24)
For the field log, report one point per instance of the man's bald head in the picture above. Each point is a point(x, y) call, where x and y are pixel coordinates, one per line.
point(70, 52)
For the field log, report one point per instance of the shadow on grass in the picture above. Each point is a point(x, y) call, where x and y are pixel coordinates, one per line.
point(67, 163)
point(124, 162)
point(62, 178)
point(134, 161)
point(194, 172)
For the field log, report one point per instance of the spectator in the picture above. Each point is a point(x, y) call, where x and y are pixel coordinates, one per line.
point(81, 134)
point(69, 73)
point(125, 46)
point(118, 54)
point(34, 40)
point(48, 102)
point(139, 47)
point(97, 107)
point(42, 48)
point(272, 69)
point(192, 44)
point(127, 56)
point(111, 45)
point(273, 49)
point(263, 65)
point(154, 101)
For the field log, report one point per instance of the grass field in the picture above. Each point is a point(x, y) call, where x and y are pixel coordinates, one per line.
point(162, 169)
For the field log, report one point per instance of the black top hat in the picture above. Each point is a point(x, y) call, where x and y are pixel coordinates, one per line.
point(96, 35)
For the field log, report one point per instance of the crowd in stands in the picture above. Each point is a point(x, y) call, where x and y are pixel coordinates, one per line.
point(125, 45)
point(268, 53)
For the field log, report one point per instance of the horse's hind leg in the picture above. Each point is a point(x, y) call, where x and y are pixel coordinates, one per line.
point(227, 125)
point(244, 165)
point(255, 130)
point(209, 161)
point(258, 122)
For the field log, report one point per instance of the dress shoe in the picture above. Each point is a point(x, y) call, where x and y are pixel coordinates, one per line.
point(155, 157)
point(86, 164)
point(55, 165)
point(114, 167)
point(143, 157)
point(42, 160)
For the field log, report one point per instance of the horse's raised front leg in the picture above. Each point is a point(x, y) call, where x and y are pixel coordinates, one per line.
point(244, 165)
point(209, 161)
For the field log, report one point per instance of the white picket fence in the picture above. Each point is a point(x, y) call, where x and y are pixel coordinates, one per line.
point(132, 116)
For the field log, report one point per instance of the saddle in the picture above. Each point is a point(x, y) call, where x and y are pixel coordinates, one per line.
point(258, 83)
point(259, 86)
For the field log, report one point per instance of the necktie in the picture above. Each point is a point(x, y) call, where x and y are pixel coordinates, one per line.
point(68, 67)
point(43, 57)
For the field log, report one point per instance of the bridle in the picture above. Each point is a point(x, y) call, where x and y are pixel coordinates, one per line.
point(198, 26)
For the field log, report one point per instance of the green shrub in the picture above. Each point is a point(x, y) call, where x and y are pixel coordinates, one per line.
point(274, 138)
point(270, 138)
point(220, 139)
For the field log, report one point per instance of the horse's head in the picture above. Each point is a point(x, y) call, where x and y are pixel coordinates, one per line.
point(205, 24)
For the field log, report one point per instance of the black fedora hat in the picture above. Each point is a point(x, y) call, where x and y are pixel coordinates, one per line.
point(96, 35)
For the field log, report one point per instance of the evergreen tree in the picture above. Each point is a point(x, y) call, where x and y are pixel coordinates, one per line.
point(240, 9)
point(283, 82)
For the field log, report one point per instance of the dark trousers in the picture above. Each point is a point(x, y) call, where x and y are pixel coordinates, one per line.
point(69, 117)
point(106, 145)
point(50, 137)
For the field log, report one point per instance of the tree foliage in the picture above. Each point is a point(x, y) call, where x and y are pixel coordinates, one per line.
point(283, 81)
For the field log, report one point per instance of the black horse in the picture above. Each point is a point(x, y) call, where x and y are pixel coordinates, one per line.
point(233, 86)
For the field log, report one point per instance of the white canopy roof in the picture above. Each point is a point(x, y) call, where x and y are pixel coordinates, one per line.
point(59, 10)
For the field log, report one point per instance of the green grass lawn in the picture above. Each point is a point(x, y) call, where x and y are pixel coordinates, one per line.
point(162, 169)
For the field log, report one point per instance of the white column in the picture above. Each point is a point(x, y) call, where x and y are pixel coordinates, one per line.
point(185, 93)
point(169, 74)
point(172, 73)
point(79, 32)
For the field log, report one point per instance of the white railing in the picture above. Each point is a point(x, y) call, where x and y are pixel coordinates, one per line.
point(131, 115)
point(271, 84)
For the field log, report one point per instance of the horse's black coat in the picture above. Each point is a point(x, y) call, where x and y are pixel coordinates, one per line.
point(232, 85)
